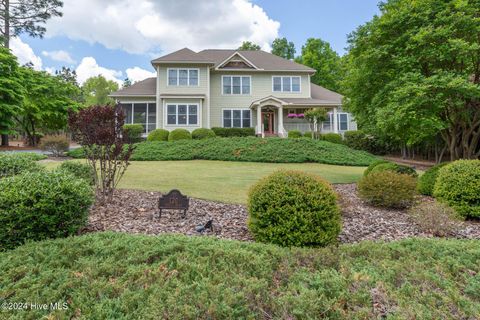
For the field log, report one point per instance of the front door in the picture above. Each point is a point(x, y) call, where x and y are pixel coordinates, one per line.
point(268, 122)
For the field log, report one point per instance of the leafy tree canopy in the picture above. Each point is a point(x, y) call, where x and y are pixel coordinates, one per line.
point(318, 54)
point(96, 91)
point(247, 45)
point(283, 48)
point(414, 72)
point(126, 83)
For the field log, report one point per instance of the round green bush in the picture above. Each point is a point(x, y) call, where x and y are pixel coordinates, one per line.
point(458, 185)
point(292, 208)
point(203, 133)
point(390, 166)
point(427, 181)
point(308, 134)
point(332, 137)
point(179, 134)
point(79, 170)
point(388, 189)
point(294, 134)
point(373, 165)
point(133, 132)
point(15, 163)
point(158, 135)
point(41, 205)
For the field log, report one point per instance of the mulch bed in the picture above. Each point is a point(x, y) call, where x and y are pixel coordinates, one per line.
point(135, 211)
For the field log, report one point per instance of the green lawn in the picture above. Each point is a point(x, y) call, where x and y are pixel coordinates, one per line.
point(120, 276)
point(224, 181)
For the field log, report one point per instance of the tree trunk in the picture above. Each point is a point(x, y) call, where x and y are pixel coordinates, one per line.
point(7, 45)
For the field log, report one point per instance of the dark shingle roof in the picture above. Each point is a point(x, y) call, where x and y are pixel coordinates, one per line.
point(143, 88)
point(262, 60)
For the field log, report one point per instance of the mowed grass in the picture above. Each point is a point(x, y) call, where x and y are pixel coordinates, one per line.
point(121, 276)
point(224, 181)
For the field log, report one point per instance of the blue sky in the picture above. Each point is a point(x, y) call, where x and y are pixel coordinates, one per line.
point(118, 38)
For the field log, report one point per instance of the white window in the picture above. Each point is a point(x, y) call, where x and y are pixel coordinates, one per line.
point(342, 121)
point(141, 113)
point(182, 114)
point(236, 118)
point(236, 84)
point(183, 77)
point(286, 84)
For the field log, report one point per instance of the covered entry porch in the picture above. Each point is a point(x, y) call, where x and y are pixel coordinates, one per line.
point(275, 117)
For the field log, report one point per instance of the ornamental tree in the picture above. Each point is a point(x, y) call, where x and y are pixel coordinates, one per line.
point(315, 117)
point(99, 130)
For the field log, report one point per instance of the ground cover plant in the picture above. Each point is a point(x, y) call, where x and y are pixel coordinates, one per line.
point(225, 181)
point(120, 276)
point(252, 150)
point(292, 208)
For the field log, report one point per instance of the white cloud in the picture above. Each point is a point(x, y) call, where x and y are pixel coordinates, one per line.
point(146, 26)
point(60, 55)
point(25, 53)
point(136, 74)
point(89, 67)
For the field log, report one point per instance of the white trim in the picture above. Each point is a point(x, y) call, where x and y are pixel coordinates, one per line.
point(291, 84)
point(208, 98)
point(157, 97)
point(260, 101)
point(132, 96)
point(348, 121)
point(221, 64)
point(241, 116)
point(241, 85)
point(182, 97)
point(188, 77)
point(176, 104)
point(309, 87)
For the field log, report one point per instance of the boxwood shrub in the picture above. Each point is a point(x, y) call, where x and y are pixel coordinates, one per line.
point(458, 185)
point(179, 134)
point(398, 168)
point(427, 181)
point(15, 163)
point(158, 135)
point(133, 132)
point(40, 205)
point(332, 137)
point(388, 189)
point(234, 132)
point(79, 170)
point(373, 165)
point(294, 134)
point(203, 133)
point(290, 208)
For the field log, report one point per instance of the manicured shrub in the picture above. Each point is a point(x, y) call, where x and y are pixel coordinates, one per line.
point(158, 135)
point(203, 133)
point(294, 134)
point(373, 165)
point(291, 208)
point(15, 163)
point(458, 185)
point(234, 132)
point(79, 170)
point(435, 218)
point(133, 132)
point(308, 134)
point(426, 182)
point(179, 134)
point(332, 137)
point(390, 166)
point(41, 205)
point(388, 189)
point(56, 145)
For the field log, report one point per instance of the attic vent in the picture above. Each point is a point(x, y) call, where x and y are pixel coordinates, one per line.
point(236, 64)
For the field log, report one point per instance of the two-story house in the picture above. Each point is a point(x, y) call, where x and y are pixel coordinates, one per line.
point(230, 88)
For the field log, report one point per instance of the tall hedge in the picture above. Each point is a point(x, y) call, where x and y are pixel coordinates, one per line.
point(292, 208)
point(41, 205)
point(458, 185)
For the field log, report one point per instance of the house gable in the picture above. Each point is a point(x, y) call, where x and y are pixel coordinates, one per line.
point(236, 62)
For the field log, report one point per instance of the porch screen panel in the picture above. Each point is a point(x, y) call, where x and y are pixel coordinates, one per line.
point(127, 110)
point(140, 114)
point(152, 117)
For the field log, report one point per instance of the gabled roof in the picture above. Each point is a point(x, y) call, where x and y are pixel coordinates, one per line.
point(144, 88)
point(262, 60)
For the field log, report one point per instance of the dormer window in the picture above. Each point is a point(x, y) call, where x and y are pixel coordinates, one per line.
point(286, 84)
point(183, 77)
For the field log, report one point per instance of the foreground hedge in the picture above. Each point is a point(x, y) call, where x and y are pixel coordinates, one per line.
point(12, 163)
point(41, 205)
point(250, 149)
point(120, 276)
point(292, 208)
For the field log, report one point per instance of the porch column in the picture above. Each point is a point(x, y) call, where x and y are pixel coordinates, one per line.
point(335, 120)
point(280, 121)
point(259, 120)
